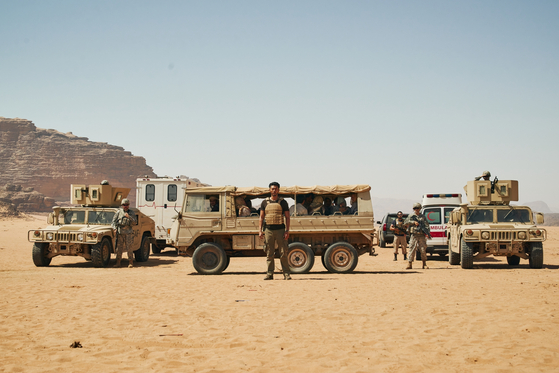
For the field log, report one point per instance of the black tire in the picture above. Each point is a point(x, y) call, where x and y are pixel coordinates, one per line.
point(156, 249)
point(322, 258)
point(300, 257)
point(340, 257)
point(513, 260)
point(101, 253)
point(40, 251)
point(442, 254)
point(536, 255)
point(381, 241)
point(227, 263)
point(466, 254)
point(209, 259)
point(453, 258)
point(142, 254)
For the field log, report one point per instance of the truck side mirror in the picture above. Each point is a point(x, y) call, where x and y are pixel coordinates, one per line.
point(539, 218)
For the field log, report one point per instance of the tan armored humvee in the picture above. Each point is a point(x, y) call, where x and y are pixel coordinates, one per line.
point(489, 225)
point(211, 238)
point(86, 230)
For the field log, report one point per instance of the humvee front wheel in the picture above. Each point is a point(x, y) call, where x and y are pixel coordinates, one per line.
point(513, 260)
point(300, 257)
point(453, 258)
point(40, 251)
point(466, 254)
point(209, 259)
point(340, 257)
point(142, 254)
point(536, 255)
point(101, 253)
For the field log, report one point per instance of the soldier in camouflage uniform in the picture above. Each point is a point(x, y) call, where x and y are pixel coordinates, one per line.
point(122, 224)
point(419, 228)
point(275, 211)
point(399, 229)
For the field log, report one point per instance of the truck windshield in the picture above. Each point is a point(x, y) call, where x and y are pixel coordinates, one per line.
point(433, 215)
point(74, 217)
point(480, 216)
point(513, 215)
point(100, 217)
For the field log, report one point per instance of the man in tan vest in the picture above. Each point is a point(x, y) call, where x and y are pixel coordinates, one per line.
point(274, 227)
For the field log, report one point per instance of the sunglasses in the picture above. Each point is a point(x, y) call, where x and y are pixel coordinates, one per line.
point(126, 204)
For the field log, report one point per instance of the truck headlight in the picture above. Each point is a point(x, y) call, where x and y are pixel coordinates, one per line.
point(522, 235)
point(50, 236)
point(80, 236)
point(485, 235)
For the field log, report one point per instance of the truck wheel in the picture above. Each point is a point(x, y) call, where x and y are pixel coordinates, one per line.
point(156, 249)
point(382, 241)
point(40, 251)
point(101, 253)
point(300, 257)
point(513, 260)
point(466, 254)
point(322, 259)
point(536, 255)
point(340, 257)
point(142, 254)
point(228, 261)
point(453, 258)
point(209, 259)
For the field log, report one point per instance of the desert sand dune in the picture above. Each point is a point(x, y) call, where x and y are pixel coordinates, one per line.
point(163, 317)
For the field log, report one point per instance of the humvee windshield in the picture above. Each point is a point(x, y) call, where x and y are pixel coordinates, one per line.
point(74, 217)
point(480, 216)
point(100, 217)
point(513, 215)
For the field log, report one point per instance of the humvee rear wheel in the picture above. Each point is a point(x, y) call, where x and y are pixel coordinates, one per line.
point(300, 257)
point(536, 255)
point(209, 259)
point(101, 253)
point(513, 260)
point(40, 251)
point(453, 258)
point(340, 257)
point(466, 254)
point(142, 254)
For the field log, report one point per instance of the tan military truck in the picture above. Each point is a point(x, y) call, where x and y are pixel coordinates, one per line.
point(211, 238)
point(86, 230)
point(489, 225)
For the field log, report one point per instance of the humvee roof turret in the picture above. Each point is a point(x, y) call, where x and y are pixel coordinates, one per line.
point(489, 225)
point(85, 230)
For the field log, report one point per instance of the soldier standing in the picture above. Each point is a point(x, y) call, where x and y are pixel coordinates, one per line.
point(399, 229)
point(419, 228)
point(122, 224)
point(275, 230)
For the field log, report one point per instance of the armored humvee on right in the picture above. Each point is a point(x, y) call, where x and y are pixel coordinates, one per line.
point(212, 238)
point(489, 225)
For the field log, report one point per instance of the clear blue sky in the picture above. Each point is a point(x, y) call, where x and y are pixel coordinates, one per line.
point(408, 96)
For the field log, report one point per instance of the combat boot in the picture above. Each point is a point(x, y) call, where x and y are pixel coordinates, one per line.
point(117, 265)
point(425, 265)
point(287, 276)
point(130, 263)
point(269, 276)
point(405, 257)
point(409, 265)
point(395, 257)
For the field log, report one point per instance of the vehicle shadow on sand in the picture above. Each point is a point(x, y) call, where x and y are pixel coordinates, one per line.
point(152, 262)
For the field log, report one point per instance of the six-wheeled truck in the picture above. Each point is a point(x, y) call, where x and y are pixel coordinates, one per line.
point(86, 231)
point(212, 235)
point(489, 225)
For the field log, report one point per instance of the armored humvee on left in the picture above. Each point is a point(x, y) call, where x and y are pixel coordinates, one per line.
point(86, 230)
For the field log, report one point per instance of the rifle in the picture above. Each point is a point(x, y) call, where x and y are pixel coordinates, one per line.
point(421, 226)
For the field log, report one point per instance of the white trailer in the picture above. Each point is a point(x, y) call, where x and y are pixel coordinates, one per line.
point(161, 198)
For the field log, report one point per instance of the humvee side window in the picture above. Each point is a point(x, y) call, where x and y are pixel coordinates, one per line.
point(171, 193)
point(480, 216)
point(150, 192)
point(513, 216)
point(74, 217)
point(447, 212)
point(433, 215)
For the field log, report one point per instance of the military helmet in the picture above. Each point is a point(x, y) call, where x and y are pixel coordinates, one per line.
point(417, 205)
point(105, 182)
point(486, 173)
point(125, 201)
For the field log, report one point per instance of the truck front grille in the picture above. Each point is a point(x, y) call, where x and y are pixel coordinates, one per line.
point(503, 236)
point(65, 237)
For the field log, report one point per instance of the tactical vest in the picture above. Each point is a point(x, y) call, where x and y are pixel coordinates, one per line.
point(274, 212)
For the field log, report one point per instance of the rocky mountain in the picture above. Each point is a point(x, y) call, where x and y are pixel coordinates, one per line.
point(49, 161)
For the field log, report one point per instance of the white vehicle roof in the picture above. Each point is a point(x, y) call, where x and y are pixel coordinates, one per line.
point(432, 199)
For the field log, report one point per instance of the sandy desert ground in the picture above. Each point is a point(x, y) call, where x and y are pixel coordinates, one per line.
point(163, 317)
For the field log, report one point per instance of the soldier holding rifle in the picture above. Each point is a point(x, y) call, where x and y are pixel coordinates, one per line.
point(399, 229)
point(122, 224)
point(419, 228)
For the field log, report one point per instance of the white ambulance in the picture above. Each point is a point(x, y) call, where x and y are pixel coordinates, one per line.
point(161, 198)
point(437, 208)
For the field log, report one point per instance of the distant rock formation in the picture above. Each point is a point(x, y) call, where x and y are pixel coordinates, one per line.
point(25, 199)
point(49, 161)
